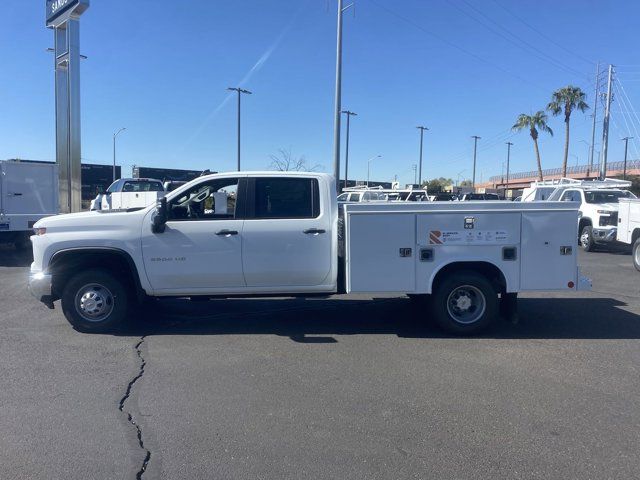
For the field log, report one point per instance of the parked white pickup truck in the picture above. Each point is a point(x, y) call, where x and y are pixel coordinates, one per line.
point(270, 233)
point(629, 226)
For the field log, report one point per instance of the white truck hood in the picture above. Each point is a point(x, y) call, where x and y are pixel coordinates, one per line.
point(89, 220)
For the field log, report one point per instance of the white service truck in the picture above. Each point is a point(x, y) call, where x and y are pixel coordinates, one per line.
point(283, 233)
point(629, 226)
point(127, 193)
point(28, 192)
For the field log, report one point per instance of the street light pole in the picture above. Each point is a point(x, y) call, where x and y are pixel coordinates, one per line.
point(626, 144)
point(240, 92)
point(115, 135)
point(369, 166)
point(346, 154)
point(475, 150)
point(422, 129)
point(509, 144)
point(338, 100)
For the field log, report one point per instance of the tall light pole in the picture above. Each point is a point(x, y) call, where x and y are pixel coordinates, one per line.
point(509, 144)
point(369, 166)
point(240, 92)
point(414, 167)
point(422, 129)
point(626, 144)
point(594, 115)
point(336, 130)
point(346, 154)
point(475, 151)
point(115, 135)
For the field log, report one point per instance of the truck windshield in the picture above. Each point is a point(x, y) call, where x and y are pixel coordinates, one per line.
point(606, 196)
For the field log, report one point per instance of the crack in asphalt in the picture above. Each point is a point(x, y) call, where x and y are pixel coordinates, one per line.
point(129, 415)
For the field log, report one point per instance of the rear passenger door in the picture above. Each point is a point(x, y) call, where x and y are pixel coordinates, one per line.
point(287, 233)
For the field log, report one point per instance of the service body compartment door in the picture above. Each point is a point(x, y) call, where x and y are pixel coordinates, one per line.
point(380, 252)
point(468, 236)
point(549, 247)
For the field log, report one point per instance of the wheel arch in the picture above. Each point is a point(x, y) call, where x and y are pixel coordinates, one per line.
point(635, 235)
point(64, 263)
point(488, 269)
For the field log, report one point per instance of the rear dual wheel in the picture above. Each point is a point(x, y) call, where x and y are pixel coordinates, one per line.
point(465, 303)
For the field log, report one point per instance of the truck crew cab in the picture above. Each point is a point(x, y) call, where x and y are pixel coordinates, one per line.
point(282, 233)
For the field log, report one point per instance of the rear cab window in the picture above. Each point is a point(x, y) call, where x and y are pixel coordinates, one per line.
point(280, 197)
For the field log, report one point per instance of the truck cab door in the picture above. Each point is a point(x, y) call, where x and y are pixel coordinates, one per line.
point(200, 250)
point(287, 236)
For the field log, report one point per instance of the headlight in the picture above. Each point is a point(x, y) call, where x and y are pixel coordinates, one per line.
point(40, 231)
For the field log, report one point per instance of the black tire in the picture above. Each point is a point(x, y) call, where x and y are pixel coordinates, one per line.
point(636, 254)
point(103, 296)
point(471, 287)
point(586, 239)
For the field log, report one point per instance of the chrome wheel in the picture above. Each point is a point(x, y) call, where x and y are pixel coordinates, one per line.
point(636, 254)
point(466, 304)
point(94, 302)
point(584, 239)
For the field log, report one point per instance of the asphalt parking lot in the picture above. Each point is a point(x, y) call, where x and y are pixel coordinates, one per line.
point(341, 388)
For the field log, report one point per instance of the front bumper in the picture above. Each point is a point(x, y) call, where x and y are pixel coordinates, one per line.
point(604, 235)
point(40, 286)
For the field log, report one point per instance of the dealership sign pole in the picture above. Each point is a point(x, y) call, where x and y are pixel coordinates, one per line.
point(63, 16)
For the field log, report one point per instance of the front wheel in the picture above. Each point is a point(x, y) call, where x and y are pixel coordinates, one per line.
point(636, 254)
point(94, 301)
point(465, 303)
point(586, 239)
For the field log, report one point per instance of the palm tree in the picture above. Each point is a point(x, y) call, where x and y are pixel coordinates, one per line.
point(568, 98)
point(534, 122)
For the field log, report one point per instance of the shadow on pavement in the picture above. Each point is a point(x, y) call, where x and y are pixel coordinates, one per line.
point(317, 320)
point(10, 257)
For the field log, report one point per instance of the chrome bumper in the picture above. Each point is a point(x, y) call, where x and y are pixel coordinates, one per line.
point(604, 234)
point(40, 286)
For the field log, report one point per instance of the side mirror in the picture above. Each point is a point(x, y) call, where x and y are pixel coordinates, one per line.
point(159, 220)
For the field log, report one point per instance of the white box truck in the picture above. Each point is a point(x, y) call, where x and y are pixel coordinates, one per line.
point(283, 233)
point(28, 192)
point(629, 226)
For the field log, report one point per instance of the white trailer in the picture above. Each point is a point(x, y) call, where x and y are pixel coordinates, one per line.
point(28, 192)
point(283, 233)
point(629, 226)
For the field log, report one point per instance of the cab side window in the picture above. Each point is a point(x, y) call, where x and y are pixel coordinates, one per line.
point(286, 198)
point(212, 200)
point(571, 196)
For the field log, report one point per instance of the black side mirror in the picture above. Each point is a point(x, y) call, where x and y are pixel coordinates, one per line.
point(159, 220)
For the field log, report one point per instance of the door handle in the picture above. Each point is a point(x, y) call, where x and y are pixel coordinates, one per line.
point(227, 233)
point(314, 231)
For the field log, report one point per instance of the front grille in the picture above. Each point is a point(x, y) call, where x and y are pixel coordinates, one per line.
point(607, 220)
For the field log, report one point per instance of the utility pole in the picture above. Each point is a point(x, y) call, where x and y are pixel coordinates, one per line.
point(422, 129)
point(626, 144)
point(115, 135)
point(336, 130)
point(240, 92)
point(605, 125)
point(346, 154)
point(595, 111)
point(509, 144)
point(475, 150)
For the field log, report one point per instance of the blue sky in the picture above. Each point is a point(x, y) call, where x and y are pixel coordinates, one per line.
point(460, 67)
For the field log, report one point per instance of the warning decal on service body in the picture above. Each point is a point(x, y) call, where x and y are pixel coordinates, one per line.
point(456, 237)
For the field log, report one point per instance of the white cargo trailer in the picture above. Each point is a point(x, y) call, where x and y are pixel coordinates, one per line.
point(28, 192)
point(629, 226)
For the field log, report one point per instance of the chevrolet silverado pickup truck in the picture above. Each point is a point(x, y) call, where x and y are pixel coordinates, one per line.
point(283, 233)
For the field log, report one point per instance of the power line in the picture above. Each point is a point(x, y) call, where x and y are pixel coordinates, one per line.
point(529, 48)
point(453, 45)
point(549, 39)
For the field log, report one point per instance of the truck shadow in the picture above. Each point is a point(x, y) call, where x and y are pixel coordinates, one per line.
point(10, 257)
point(319, 320)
